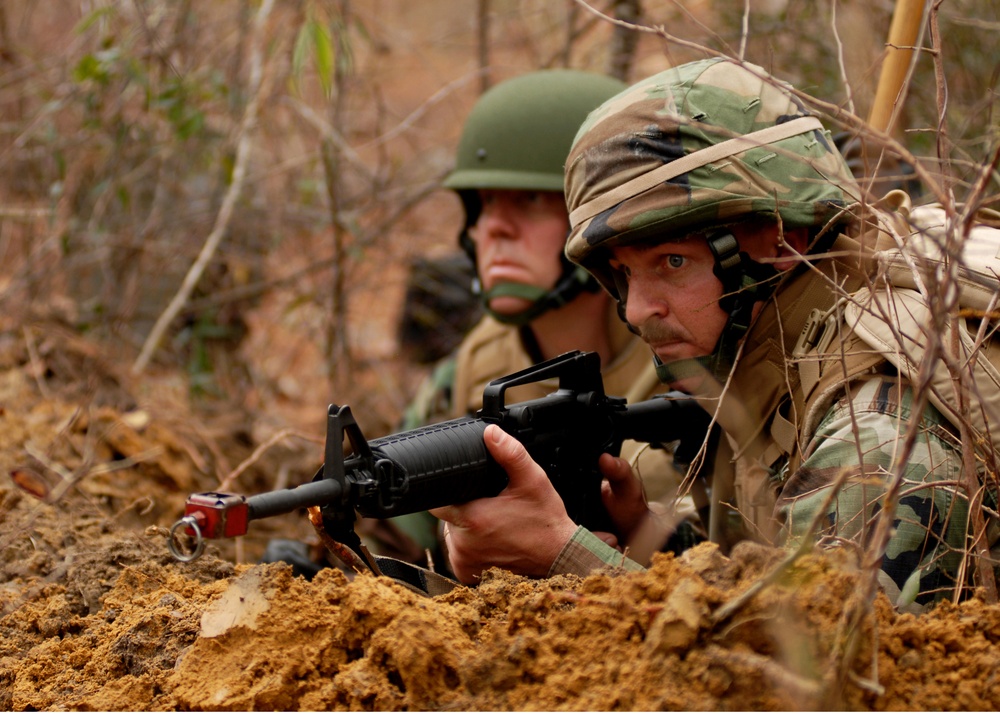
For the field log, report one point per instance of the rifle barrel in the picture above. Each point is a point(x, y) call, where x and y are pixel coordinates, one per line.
point(661, 420)
point(275, 503)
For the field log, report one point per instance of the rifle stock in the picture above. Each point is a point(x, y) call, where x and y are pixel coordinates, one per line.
point(447, 463)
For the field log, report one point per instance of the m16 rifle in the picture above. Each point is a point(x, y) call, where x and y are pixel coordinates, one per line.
point(447, 463)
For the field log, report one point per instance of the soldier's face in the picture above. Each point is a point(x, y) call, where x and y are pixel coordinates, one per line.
point(673, 293)
point(519, 238)
point(673, 296)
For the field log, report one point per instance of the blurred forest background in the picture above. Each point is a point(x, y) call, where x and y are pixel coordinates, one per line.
point(234, 192)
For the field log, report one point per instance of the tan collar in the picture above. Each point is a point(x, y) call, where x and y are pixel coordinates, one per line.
point(765, 378)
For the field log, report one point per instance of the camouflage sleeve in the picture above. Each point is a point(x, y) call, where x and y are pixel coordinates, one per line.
point(586, 553)
point(862, 434)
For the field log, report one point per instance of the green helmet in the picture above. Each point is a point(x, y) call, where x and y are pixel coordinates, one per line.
point(517, 137)
point(519, 132)
point(693, 149)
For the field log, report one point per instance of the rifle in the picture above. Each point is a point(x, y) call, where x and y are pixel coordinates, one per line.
point(447, 463)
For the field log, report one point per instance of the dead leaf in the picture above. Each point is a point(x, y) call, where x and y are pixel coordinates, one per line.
point(239, 606)
point(30, 481)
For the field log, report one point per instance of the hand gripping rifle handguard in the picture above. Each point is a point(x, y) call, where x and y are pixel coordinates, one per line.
point(447, 463)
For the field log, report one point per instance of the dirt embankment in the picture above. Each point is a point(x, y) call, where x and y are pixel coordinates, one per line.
point(97, 616)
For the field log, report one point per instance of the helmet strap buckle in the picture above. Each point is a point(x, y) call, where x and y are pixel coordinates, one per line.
point(745, 282)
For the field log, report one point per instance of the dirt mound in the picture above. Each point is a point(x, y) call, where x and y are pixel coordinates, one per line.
point(97, 616)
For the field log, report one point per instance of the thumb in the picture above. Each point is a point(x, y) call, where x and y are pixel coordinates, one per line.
point(509, 453)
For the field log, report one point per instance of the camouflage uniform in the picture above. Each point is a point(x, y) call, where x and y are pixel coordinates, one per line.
point(711, 143)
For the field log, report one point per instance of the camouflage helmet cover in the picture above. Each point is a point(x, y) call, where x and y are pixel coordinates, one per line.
point(623, 185)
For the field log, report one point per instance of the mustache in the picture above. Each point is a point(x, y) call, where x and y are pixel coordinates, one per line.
point(655, 332)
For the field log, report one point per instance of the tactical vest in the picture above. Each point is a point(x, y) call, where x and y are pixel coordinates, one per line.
point(784, 371)
point(812, 342)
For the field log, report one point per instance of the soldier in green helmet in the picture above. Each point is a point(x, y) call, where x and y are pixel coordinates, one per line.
point(715, 210)
point(508, 175)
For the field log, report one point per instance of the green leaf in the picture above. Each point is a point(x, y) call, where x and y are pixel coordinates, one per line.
point(324, 54)
point(301, 51)
point(910, 590)
point(92, 18)
point(89, 68)
point(345, 58)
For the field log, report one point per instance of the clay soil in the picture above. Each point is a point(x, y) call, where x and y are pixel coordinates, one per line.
point(96, 615)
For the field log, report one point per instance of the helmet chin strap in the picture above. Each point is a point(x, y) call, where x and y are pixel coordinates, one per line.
point(573, 281)
point(681, 369)
point(745, 282)
point(531, 293)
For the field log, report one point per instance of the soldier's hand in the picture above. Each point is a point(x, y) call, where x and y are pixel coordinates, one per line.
point(522, 529)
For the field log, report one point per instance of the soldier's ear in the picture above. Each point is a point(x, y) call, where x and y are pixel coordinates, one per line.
point(789, 247)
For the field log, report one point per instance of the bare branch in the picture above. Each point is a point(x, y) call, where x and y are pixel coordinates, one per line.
point(243, 150)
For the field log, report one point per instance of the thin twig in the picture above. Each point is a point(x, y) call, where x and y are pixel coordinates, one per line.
point(840, 58)
point(745, 30)
point(36, 363)
point(225, 483)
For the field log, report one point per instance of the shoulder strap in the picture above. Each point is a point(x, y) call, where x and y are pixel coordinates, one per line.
point(932, 251)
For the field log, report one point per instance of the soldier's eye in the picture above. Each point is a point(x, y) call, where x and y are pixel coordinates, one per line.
point(675, 261)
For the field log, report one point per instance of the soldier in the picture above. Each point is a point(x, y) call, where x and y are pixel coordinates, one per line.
point(509, 177)
point(720, 216)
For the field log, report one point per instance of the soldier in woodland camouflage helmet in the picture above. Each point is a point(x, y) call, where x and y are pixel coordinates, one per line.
point(641, 169)
point(720, 216)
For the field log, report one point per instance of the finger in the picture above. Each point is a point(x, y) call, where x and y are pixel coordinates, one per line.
point(614, 469)
point(621, 480)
